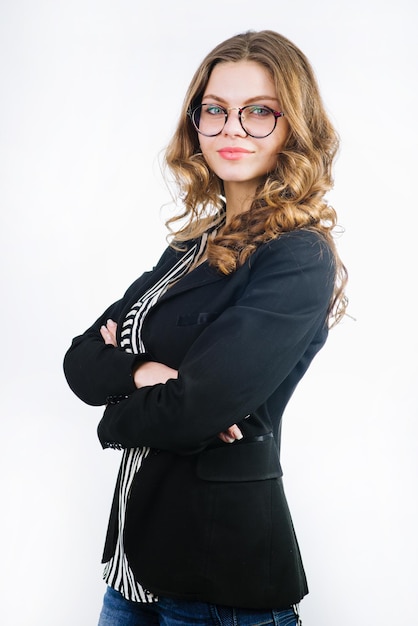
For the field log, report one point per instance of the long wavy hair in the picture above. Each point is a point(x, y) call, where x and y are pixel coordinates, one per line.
point(290, 197)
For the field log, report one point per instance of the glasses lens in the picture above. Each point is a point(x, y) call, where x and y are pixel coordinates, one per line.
point(258, 121)
point(209, 119)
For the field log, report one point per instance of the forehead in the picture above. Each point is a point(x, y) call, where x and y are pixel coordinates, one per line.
point(240, 81)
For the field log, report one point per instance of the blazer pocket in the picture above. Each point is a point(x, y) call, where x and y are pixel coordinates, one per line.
point(254, 459)
point(191, 319)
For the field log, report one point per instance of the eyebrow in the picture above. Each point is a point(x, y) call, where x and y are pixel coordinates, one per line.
point(253, 99)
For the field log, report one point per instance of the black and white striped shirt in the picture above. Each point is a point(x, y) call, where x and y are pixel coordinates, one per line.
point(117, 572)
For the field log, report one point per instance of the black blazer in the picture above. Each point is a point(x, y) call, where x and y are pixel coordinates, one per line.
point(208, 520)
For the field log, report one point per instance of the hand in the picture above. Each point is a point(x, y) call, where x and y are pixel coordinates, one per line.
point(232, 434)
point(108, 333)
point(153, 373)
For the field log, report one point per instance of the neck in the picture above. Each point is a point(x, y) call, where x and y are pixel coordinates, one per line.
point(238, 197)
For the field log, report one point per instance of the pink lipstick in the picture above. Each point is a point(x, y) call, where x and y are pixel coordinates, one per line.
point(232, 154)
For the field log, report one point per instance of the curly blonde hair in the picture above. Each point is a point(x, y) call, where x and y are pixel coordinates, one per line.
point(290, 197)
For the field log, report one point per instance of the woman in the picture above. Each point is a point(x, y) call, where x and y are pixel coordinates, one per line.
point(197, 361)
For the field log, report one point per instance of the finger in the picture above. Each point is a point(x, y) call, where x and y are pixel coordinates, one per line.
point(173, 374)
point(235, 432)
point(226, 438)
point(112, 328)
point(232, 434)
point(106, 335)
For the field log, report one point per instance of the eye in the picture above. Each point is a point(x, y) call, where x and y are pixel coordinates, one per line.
point(213, 109)
point(256, 110)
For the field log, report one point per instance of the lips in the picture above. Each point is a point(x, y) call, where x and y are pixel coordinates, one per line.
point(233, 153)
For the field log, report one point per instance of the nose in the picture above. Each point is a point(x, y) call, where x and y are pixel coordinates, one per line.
point(233, 124)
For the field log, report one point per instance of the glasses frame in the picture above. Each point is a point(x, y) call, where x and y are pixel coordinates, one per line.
point(191, 113)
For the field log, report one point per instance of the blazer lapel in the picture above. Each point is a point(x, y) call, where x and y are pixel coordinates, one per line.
point(203, 274)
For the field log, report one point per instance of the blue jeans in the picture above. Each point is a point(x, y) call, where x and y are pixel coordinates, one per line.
point(117, 611)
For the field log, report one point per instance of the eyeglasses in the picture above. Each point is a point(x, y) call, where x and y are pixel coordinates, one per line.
point(256, 120)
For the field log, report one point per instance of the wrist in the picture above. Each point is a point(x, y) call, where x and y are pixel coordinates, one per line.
point(139, 362)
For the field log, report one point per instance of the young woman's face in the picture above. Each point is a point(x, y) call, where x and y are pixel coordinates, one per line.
point(234, 155)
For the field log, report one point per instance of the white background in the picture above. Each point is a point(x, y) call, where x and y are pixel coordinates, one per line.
point(90, 92)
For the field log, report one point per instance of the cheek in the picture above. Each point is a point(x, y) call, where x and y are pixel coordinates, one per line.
point(283, 133)
point(204, 143)
point(206, 147)
point(273, 151)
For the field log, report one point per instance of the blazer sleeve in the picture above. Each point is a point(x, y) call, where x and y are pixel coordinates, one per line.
point(94, 370)
point(242, 357)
